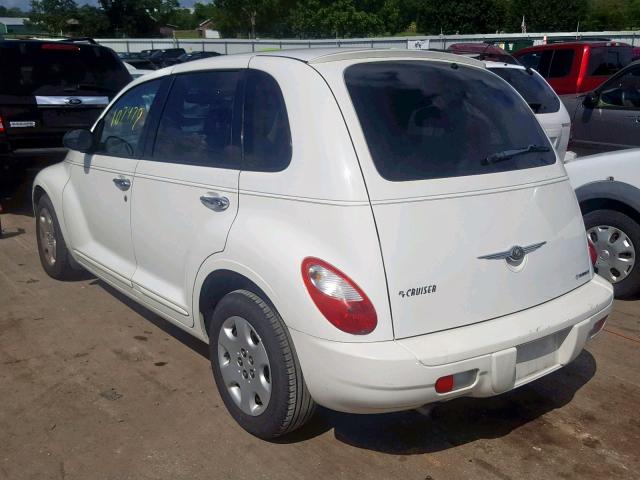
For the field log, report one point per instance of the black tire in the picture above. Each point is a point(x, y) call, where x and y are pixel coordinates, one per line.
point(60, 268)
point(630, 286)
point(290, 405)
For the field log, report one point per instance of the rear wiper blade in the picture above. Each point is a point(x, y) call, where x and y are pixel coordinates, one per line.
point(508, 154)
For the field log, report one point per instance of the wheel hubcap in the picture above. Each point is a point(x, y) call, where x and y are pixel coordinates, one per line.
point(47, 236)
point(244, 365)
point(616, 253)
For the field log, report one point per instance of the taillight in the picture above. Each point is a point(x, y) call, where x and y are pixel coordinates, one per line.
point(583, 68)
point(60, 46)
point(593, 253)
point(1, 124)
point(338, 297)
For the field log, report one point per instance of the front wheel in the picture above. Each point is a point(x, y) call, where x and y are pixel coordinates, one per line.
point(255, 367)
point(616, 237)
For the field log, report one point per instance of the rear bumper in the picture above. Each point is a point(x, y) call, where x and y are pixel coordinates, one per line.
point(503, 354)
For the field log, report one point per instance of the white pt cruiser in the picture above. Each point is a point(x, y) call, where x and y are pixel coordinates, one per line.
point(365, 230)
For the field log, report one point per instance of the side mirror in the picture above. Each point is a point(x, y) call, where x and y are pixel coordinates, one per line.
point(591, 99)
point(79, 140)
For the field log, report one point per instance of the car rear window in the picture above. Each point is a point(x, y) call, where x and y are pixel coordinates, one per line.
point(428, 120)
point(537, 93)
point(608, 60)
point(36, 68)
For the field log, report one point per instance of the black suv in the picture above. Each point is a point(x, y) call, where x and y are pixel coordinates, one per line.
point(48, 88)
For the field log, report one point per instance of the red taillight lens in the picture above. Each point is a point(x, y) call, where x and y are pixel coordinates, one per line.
point(593, 253)
point(1, 124)
point(597, 327)
point(444, 384)
point(338, 297)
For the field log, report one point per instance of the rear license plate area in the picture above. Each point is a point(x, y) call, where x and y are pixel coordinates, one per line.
point(539, 355)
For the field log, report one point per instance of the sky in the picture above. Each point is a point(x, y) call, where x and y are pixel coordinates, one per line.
point(24, 4)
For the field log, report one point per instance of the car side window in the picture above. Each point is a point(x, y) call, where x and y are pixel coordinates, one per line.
point(561, 63)
point(197, 124)
point(121, 128)
point(623, 91)
point(267, 136)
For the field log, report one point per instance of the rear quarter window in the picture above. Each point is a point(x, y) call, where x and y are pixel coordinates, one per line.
point(429, 120)
point(605, 61)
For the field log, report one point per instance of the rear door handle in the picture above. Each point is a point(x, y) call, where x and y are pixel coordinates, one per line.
point(122, 183)
point(215, 202)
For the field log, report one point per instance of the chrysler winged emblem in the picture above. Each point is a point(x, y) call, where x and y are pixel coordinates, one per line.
point(515, 255)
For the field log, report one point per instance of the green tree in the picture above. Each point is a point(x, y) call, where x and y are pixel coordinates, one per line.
point(92, 22)
point(546, 16)
point(12, 12)
point(53, 14)
point(138, 18)
point(462, 16)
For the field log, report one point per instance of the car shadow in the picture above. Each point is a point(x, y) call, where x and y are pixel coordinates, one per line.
point(462, 420)
point(195, 344)
point(11, 234)
point(441, 427)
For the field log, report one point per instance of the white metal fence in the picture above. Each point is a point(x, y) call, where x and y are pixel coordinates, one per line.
point(229, 46)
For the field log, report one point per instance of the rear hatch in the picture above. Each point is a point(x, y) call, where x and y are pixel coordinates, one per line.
point(48, 88)
point(475, 215)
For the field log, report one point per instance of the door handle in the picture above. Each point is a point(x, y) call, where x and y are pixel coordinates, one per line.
point(122, 183)
point(215, 202)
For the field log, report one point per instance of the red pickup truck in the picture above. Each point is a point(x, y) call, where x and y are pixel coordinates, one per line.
point(576, 67)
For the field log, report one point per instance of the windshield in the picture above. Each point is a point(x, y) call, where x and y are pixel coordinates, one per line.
point(35, 68)
point(427, 120)
point(537, 93)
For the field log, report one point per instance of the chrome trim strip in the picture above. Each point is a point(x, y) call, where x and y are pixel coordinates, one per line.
point(72, 100)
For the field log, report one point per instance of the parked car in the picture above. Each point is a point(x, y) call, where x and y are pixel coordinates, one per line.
point(136, 72)
point(398, 232)
point(608, 118)
point(608, 189)
point(188, 57)
point(482, 51)
point(549, 110)
point(576, 67)
point(166, 57)
point(48, 88)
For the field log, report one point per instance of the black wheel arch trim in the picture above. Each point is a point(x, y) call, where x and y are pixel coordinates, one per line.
point(610, 190)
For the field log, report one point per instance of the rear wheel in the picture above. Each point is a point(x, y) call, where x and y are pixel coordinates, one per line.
point(52, 249)
point(616, 237)
point(255, 367)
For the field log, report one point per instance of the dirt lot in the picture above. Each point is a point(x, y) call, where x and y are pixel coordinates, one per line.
point(94, 387)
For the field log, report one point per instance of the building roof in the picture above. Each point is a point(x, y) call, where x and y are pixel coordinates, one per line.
point(13, 21)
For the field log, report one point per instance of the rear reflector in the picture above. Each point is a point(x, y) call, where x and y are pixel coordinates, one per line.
point(597, 327)
point(60, 46)
point(457, 381)
point(444, 384)
point(593, 253)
